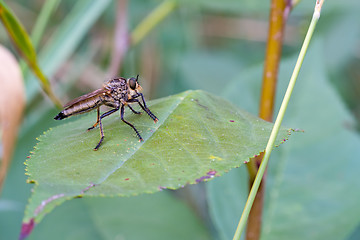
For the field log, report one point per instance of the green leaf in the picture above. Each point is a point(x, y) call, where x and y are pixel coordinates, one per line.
point(311, 180)
point(198, 136)
point(156, 216)
point(315, 178)
point(229, 190)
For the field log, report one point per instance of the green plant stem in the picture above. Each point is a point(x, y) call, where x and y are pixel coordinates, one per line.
point(156, 16)
point(279, 12)
point(278, 121)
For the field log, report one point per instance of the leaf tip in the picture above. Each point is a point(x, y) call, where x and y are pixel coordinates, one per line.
point(26, 229)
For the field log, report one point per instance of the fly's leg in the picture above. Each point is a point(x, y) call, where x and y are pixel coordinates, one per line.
point(147, 109)
point(144, 107)
point(101, 129)
point(97, 121)
point(122, 118)
point(133, 110)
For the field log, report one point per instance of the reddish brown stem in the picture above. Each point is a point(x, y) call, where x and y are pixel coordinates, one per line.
point(278, 15)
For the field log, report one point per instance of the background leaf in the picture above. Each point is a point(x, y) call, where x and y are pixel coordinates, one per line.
point(192, 142)
point(305, 197)
point(139, 217)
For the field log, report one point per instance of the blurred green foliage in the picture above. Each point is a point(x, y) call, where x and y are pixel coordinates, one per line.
point(217, 46)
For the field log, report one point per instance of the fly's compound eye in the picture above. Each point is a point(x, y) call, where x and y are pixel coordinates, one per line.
point(132, 83)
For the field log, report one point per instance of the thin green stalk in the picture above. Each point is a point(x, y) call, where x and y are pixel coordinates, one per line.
point(156, 16)
point(278, 121)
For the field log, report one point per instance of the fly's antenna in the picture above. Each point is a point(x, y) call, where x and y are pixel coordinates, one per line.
point(137, 78)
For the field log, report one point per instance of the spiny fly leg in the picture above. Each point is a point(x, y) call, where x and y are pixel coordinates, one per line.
point(133, 127)
point(97, 121)
point(133, 110)
point(101, 129)
point(153, 117)
point(98, 145)
point(145, 109)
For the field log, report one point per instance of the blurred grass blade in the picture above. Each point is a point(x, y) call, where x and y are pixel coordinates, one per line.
point(67, 38)
point(17, 32)
point(39, 27)
point(23, 44)
point(156, 16)
point(122, 42)
point(70, 33)
point(12, 102)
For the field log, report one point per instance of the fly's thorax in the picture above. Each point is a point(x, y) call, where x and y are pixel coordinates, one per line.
point(117, 90)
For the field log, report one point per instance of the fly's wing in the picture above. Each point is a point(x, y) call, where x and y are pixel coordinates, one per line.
point(84, 97)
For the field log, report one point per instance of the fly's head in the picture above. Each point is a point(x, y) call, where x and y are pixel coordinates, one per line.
point(134, 86)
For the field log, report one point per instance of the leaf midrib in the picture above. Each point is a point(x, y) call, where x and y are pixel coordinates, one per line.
point(159, 123)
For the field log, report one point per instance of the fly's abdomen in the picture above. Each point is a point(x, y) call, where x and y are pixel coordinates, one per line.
point(79, 107)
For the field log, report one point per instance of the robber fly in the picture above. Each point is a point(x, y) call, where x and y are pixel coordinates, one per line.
point(116, 93)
